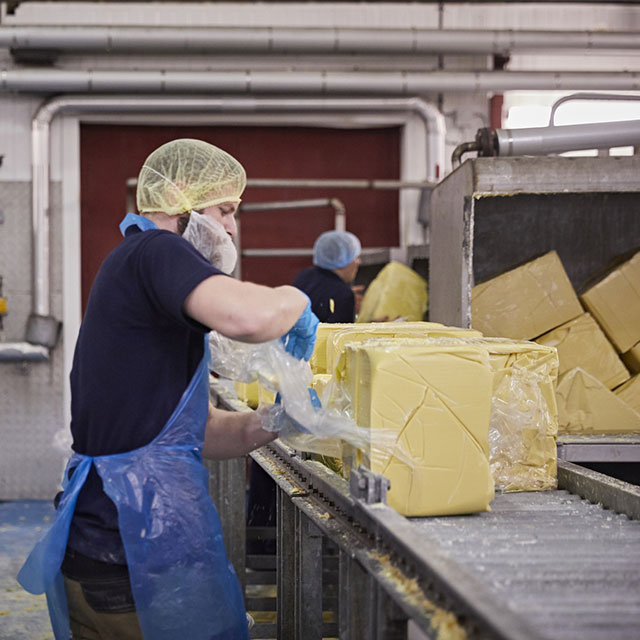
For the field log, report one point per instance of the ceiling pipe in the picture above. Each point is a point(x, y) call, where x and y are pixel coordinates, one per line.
point(258, 40)
point(387, 83)
point(40, 140)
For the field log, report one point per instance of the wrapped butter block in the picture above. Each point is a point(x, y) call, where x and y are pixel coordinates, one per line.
point(615, 304)
point(524, 414)
point(525, 302)
point(397, 291)
point(337, 339)
point(318, 360)
point(320, 382)
point(248, 392)
point(265, 396)
point(585, 405)
point(438, 400)
point(632, 358)
point(630, 392)
point(581, 343)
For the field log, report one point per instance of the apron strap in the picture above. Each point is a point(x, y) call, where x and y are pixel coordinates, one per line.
point(45, 560)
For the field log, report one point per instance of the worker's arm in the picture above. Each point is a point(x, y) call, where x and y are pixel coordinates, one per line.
point(244, 310)
point(230, 434)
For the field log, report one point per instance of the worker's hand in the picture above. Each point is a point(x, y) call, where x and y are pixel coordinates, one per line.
point(358, 294)
point(301, 338)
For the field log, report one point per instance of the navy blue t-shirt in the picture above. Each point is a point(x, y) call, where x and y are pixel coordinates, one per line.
point(135, 355)
point(331, 297)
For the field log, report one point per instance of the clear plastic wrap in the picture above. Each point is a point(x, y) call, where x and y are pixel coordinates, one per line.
point(523, 424)
point(524, 414)
point(300, 424)
point(522, 451)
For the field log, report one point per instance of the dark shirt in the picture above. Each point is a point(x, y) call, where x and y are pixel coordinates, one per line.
point(331, 298)
point(135, 355)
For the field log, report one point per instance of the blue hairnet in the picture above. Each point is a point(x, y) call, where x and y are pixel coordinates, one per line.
point(335, 249)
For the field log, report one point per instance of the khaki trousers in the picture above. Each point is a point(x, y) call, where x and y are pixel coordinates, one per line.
point(88, 624)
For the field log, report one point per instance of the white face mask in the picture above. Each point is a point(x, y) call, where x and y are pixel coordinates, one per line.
point(209, 237)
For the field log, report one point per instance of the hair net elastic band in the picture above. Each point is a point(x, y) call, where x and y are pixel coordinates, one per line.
point(188, 207)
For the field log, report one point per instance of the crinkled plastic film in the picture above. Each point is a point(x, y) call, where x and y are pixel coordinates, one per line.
point(524, 415)
point(326, 430)
point(522, 451)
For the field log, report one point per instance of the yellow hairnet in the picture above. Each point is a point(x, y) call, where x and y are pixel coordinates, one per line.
point(187, 174)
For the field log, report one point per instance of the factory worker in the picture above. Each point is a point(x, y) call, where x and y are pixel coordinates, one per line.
point(336, 258)
point(136, 549)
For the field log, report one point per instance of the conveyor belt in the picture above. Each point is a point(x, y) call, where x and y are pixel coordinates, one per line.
point(549, 565)
point(569, 567)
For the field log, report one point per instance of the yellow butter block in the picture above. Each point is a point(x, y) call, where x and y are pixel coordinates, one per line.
point(397, 291)
point(318, 360)
point(248, 393)
point(438, 402)
point(337, 339)
point(632, 358)
point(615, 304)
point(525, 302)
point(630, 392)
point(585, 405)
point(582, 343)
point(524, 414)
point(320, 382)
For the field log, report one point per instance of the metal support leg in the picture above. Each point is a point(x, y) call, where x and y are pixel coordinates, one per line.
point(391, 623)
point(227, 482)
point(286, 568)
point(357, 601)
point(308, 579)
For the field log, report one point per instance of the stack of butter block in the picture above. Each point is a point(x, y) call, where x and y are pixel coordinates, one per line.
point(595, 392)
point(253, 394)
point(466, 410)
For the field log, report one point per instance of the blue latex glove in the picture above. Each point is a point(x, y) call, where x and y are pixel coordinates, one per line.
point(301, 337)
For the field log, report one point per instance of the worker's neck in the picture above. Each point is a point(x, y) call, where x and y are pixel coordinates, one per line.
point(164, 221)
point(344, 273)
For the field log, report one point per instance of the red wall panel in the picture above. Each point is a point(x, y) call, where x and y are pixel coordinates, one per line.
point(110, 154)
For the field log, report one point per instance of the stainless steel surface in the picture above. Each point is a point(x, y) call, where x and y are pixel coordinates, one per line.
point(368, 486)
point(600, 489)
point(294, 204)
point(538, 565)
point(275, 39)
point(451, 248)
point(333, 184)
point(455, 203)
point(613, 448)
point(339, 210)
point(231, 504)
point(558, 139)
point(22, 352)
point(276, 253)
point(583, 95)
point(386, 545)
point(570, 568)
point(355, 83)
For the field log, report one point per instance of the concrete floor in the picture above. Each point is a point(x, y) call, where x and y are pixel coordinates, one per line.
point(22, 615)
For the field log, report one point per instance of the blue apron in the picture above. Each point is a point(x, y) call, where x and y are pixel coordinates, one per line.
point(183, 584)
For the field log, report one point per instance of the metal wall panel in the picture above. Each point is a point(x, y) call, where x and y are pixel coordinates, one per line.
point(30, 394)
